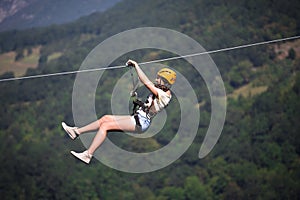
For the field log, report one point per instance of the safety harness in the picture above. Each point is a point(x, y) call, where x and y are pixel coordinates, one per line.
point(142, 105)
point(138, 104)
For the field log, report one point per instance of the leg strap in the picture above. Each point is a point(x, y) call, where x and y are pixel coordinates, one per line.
point(138, 126)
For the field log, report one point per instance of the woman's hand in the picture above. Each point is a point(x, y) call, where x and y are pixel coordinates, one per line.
point(131, 63)
point(142, 76)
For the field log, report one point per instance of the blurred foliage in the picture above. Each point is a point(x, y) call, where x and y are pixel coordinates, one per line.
point(257, 156)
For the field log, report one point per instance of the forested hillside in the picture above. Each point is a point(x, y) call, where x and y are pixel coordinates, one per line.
point(257, 155)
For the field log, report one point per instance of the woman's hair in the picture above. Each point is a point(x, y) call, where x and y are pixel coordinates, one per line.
point(162, 87)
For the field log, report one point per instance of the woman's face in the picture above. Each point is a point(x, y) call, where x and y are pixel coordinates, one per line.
point(158, 80)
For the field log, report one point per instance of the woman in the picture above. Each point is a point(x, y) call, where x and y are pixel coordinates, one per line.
point(138, 122)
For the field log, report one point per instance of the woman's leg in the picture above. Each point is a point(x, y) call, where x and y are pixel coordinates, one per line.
point(94, 125)
point(74, 132)
point(107, 123)
point(111, 122)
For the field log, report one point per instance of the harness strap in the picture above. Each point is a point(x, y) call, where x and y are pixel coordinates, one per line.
point(138, 104)
point(134, 85)
point(138, 126)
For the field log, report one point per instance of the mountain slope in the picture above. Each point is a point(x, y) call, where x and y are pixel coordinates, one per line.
point(21, 14)
point(10, 7)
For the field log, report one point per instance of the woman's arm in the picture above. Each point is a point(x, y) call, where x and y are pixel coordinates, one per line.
point(143, 78)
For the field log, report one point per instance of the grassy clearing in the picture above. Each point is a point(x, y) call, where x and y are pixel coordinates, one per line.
point(86, 37)
point(247, 91)
point(19, 68)
point(54, 56)
point(282, 49)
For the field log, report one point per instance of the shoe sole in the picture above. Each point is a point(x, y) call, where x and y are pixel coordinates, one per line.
point(64, 125)
point(75, 154)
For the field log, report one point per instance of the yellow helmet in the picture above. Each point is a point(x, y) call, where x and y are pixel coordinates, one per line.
point(168, 74)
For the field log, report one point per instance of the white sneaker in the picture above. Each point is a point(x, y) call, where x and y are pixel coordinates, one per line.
point(84, 156)
point(72, 131)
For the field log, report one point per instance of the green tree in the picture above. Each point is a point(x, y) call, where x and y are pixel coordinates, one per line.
point(170, 193)
point(292, 54)
point(194, 189)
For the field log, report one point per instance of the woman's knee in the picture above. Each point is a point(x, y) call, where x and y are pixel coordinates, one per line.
point(105, 118)
point(106, 126)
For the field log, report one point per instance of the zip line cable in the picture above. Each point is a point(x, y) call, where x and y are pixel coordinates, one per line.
point(153, 61)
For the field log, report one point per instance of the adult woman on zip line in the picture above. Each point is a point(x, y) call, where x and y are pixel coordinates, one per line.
point(160, 96)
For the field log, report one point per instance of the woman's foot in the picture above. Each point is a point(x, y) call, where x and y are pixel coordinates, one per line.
point(72, 131)
point(84, 156)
